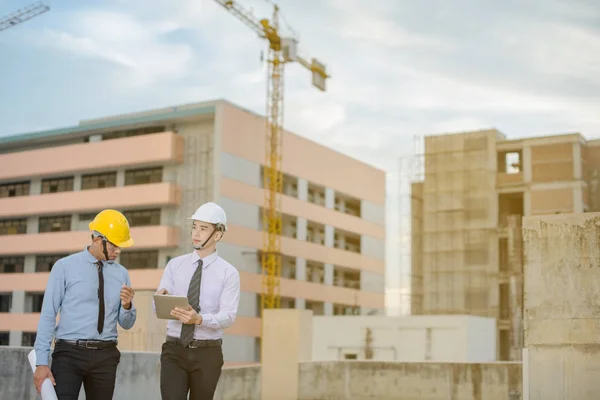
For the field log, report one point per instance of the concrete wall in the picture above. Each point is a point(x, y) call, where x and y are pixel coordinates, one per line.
point(351, 380)
point(562, 282)
point(406, 339)
point(138, 378)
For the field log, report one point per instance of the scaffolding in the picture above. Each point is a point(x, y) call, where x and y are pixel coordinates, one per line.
point(448, 225)
point(410, 242)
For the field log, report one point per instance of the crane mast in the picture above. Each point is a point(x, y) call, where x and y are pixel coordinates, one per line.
point(23, 15)
point(281, 51)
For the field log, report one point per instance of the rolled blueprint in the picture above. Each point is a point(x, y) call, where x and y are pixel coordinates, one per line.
point(48, 392)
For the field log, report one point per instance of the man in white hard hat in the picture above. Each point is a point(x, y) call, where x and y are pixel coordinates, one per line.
point(192, 355)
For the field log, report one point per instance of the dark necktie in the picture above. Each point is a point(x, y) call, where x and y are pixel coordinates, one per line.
point(100, 297)
point(187, 330)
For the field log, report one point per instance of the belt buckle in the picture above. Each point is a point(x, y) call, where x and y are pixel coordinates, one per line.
point(92, 347)
point(192, 346)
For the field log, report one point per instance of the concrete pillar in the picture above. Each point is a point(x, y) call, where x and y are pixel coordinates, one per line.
point(300, 269)
point(18, 302)
point(74, 222)
point(120, 178)
point(35, 187)
point(29, 265)
point(527, 165)
point(286, 342)
point(15, 338)
point(329, 198)
point(577, 161)
point(76, 182)
point(33, 225)
point(302, 189)
point(301, 228)
point(329, 236)
point(562, 336)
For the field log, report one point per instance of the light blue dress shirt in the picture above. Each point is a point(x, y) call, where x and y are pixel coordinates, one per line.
point(72, 290)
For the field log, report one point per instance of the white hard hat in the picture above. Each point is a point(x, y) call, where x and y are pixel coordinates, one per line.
point(212, 213)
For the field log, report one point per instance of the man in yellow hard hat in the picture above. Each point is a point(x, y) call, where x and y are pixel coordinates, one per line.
point(92, 293)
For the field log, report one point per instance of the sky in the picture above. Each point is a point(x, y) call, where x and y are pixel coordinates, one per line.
point(400, 69)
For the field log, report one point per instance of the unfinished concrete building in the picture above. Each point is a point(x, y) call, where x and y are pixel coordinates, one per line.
point(465, 219)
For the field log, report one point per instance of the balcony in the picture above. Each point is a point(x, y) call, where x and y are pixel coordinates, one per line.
point(158, 148)
point(246, 237)
point(139, 196)
point(298, 208)
point(147, 237)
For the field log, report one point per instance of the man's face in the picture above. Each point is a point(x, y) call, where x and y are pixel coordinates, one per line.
point(113, 251)
point(202, 231)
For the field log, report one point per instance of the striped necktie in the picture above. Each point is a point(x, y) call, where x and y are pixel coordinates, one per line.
point(187, 330)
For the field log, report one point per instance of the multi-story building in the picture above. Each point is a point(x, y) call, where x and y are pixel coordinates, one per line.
point(157, 167)
point(466, 248)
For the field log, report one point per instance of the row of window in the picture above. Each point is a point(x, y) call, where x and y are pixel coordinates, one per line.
point(133, 259)
point(317, 307)
point(62, 223)
point(315, 233)
point(27, 340)
point(316, 195)
point(147, 259)
point(100, 180)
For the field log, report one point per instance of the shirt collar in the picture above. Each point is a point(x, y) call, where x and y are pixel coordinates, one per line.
point(206, 261)
point(89, 257)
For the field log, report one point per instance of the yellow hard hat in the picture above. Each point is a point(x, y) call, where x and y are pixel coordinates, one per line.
point(113, 226)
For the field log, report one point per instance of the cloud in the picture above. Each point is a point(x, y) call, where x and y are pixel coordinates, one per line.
point(135, 46)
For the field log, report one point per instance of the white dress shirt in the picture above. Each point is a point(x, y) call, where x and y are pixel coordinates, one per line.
point(219, 292)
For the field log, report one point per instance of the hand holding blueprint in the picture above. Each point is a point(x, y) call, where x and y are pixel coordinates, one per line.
point(48, 392)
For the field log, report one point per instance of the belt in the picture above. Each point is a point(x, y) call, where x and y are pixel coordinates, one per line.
point(90, 344)
point(194, 344)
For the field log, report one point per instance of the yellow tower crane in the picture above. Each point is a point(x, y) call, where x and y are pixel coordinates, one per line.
point(281, 52)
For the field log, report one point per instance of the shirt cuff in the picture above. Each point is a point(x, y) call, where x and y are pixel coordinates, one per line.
point(204, 320)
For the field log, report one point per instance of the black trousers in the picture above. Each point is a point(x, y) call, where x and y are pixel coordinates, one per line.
point(95, 368)
point(195, 370)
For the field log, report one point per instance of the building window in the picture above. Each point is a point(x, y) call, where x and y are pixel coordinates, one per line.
point(12, 264)
point(33, 302)
point(316, 194)
point(99, 181)
point(14, 189)
point(28, 339)
point(56, 185)
point(345, 277)
point(139, 259)
point(4, 338)
point(60, 223)
point(315, 271)
point(13, 226)
point(340, 309)
point(87, 217)
point(143, 176)
point(5, 302)
point(143, 217)
point(44, 263)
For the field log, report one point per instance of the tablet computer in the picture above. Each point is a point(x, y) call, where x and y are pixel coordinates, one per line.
point(165, 303)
